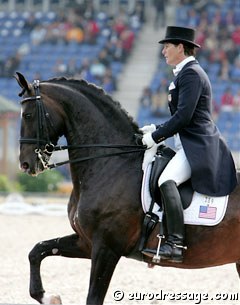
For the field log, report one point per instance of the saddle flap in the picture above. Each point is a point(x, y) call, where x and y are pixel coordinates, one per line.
point(186, 193)
point(163, 156)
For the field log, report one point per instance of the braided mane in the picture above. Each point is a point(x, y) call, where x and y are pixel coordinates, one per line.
point(98, 96)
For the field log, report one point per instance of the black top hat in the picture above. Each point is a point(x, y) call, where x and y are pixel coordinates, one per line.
point(180, 34)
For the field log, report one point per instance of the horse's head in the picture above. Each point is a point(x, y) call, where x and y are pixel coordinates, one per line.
point(40, 127)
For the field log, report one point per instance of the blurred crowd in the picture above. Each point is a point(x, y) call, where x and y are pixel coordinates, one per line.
point(82, 25)
point(218, 32)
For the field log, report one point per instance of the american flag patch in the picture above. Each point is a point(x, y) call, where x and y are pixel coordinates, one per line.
point(205, 211)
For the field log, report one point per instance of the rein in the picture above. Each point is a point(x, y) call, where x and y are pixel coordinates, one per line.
point(54, 165)
point(44, 155)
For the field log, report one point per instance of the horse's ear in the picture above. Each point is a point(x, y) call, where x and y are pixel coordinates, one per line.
point(22, 83)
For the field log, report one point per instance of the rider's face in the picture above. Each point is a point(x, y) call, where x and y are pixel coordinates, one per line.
point(173, 54)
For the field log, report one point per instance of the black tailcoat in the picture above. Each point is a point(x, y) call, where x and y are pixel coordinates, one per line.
point(190, 103)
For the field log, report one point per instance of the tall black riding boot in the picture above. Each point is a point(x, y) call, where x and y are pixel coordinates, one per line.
point(172, 249)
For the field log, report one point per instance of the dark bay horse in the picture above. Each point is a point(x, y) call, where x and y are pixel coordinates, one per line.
point(104, 207)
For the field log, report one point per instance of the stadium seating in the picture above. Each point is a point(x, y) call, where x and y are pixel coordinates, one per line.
point(41, 59)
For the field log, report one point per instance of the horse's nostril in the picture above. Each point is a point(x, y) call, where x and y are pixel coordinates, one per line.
point(25, 166)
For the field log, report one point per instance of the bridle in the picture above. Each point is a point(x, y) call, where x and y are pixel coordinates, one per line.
point(44, 122)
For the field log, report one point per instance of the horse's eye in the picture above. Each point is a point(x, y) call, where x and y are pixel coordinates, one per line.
point(27, 116)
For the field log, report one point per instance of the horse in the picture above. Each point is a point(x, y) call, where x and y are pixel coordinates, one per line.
point(104, 208)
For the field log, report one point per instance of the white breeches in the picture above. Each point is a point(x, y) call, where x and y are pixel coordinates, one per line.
point(178, 168)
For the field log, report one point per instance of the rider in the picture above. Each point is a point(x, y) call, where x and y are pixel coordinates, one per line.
point(201, 152)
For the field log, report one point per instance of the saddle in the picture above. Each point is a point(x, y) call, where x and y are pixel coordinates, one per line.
point(163, 155)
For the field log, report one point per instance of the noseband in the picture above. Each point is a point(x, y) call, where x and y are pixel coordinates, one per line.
point(44, 121)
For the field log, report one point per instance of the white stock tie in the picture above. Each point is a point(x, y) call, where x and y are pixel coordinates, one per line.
point(176, 71)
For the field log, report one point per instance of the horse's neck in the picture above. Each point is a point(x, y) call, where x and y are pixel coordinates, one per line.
point(89, 119)
point(98, 134)
point(88, 125)
point(90, 116)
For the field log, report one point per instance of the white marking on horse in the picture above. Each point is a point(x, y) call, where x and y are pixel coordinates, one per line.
point(51, 299)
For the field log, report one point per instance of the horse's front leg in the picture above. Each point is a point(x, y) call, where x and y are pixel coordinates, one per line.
point(238, 268)
point(68, 246)
point(104, 261)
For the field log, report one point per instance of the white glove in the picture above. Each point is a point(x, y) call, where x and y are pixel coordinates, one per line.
point(148, 140)
point(151, 151)
point(148, 128)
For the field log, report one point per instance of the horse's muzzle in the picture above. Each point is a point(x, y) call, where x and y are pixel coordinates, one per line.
point(31, 170)
point(24, 166)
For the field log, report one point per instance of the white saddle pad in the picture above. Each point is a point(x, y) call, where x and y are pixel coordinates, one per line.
point(203, 210)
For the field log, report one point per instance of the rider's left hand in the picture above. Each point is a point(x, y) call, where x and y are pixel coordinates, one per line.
point(148, 128)
point(148, 140)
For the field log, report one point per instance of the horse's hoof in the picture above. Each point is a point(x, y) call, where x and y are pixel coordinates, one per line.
point(151, 266)
point(51, 299)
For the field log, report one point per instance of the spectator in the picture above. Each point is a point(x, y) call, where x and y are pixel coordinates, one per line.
point(71, 68)
point(117, 51)
point(193, 18)
point(224, 73)
point(89, 11)
point(127, 38)
point(11, 65)
point(1, 66)
point(236, 36)
point(236, 101)
point(85, 72)
point(146, 97)
point(110, 75)
point(228, 19)
point(215, 110)
point(218, 56)
point(119, 26)
point(138, 15)
point(159, 100)
point(30, 23)
point(104, 57)
point(227, 101)
point(97, 70)
point(56, 32)
point(59, 68)
point(235, 72)
point(75, 34)
point(91, 31)
point(160, 13)
point(231, 51)
point(211, 42)
point(38, 35)
point(201, 35)
point(108, 84)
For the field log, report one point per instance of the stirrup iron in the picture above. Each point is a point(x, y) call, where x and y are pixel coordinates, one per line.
point(156, 258)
